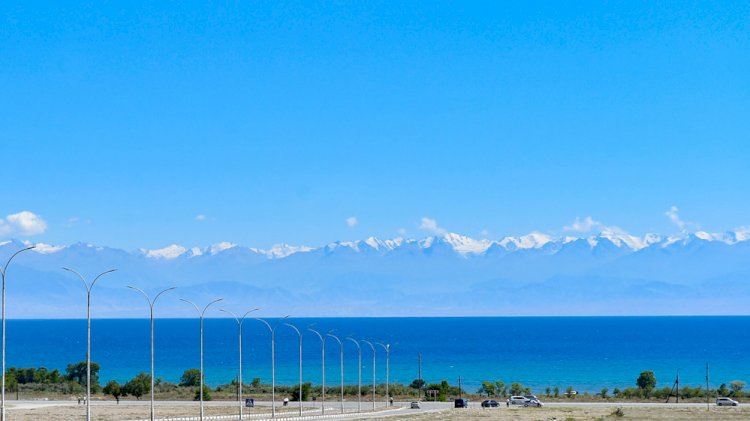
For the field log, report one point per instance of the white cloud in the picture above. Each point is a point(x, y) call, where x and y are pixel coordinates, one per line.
point(583, 225)
point(673, 216)
point(200, 217)
point(589, 224)
point(402, 231)
point(23, 223)
point(351, 221)
point(484, 233)
point(431, 225)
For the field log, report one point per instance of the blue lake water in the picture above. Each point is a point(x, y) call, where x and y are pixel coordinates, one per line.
point(587, 353)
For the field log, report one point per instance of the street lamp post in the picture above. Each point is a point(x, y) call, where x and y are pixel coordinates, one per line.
point(239, 334)
point(359, 376)
point(373, 372)
point(299, 397)
point(88, 334)
point(341, 362)
point(3, 271)
point(200, 316)
point(273, 361)
point(322, 369)
point(387, 348)
point(151, 308)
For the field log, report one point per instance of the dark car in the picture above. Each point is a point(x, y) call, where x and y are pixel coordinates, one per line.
point(490, 403)
point(461, 403)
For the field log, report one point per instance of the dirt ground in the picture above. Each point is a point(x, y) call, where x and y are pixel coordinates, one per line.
point(122, 412)
point(129, 412)
point(586, 414)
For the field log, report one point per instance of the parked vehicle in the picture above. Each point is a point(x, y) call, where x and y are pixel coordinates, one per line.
point(533, 402)
point(490, 403)
point(726, 402)
point(415, 405)
point(524, 401)
point(517, 400)
point(461, 403)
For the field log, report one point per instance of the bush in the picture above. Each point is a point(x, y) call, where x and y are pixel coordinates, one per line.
point(206, 393)
point(618, 412)
point(138, 386)
point(306, 387)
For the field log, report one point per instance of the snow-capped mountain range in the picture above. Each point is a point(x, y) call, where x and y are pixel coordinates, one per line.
point(610, 272)
point(462, 245)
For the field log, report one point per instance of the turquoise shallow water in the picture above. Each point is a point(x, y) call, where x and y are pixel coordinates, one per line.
point(587, 353)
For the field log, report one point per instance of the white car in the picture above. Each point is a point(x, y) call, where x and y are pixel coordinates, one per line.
point(726, 402)
point(517, 400)
point(415, 405)
point(524, 401)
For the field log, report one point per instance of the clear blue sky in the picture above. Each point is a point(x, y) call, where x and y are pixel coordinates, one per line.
point(121, 122)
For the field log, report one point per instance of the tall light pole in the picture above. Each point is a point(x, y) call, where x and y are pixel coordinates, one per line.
point(373, 372)
point(359, 377)
point(151, 307)
point(323, 366)
point(239, 334)
point(88, 334)
point(3, 271)
point(200, 317)
point(273, 361)
point(299, 397)
point(341, 361)
point(387, 348)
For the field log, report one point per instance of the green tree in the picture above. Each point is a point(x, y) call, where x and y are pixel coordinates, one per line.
point(306, 387)
point(418, 384)
point(616, 392)
point(556, 392)
point(548, 391)
point(190, 377)
point(255, 383)
point(723, 390)
point(77, 373)
point(206, 393)
point(604, 393)
point(113, 388)
point(501, 388)
point(138, 386)
point(516, 389)
point(737, 386)
point(646, 382)
point(488, 388)
point(11, 383)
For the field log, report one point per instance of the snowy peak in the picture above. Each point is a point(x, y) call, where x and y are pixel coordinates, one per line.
point(169, 252)
point(465, 245)
point(279, 251)
point(529, 241)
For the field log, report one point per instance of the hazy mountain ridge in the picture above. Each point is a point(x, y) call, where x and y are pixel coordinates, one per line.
point(438, 275)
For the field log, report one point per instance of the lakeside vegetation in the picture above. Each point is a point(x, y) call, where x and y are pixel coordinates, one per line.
point(42, 382)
